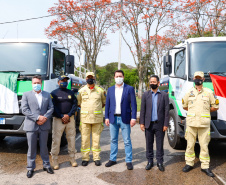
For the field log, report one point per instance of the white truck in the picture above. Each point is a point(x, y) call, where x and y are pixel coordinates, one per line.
point(207, 54)
point(30, 57)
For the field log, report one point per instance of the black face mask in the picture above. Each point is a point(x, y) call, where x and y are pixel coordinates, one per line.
point(90, 81)
point(198, 81)
point(154, 86)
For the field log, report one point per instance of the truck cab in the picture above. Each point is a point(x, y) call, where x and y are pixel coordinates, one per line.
point(29, 57)
point(205, 54)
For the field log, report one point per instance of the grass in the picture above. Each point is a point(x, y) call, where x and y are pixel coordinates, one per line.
point(138, 104)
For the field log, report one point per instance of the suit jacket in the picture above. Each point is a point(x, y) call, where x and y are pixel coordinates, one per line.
point(31, 110)
point(128, 101)
point(162, 109)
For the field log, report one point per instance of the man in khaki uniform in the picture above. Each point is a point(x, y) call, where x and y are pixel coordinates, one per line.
point(91, 99)
point(199, 102)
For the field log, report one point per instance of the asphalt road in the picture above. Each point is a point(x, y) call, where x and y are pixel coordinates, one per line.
point(13, 165)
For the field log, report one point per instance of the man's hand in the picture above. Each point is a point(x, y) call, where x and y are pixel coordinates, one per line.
point(41, 120)
point(132, 122)
point(142, 127)
point(165, 128)
point(66, 119)
point(107, 123)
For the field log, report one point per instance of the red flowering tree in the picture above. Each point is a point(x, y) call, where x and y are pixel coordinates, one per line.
point(85, 23)
point(143, 19)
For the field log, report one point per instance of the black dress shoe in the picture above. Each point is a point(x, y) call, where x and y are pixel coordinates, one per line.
point(149, 166)
point(187, 168)
point(30, 173)
point(85, 163)
point(97, 163)
point(208, 172)
point(161, 167)
point(129, 166)
point(49, 170)
point(110, 163)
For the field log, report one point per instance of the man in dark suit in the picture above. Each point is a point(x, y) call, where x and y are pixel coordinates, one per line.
point(37, 107)
point(118, 114)
point(154, 120)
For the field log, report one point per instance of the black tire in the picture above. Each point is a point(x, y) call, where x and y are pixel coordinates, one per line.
point(2, 137)
point(175, 141)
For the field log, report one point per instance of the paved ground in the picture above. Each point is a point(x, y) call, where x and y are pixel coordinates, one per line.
point(13, 165)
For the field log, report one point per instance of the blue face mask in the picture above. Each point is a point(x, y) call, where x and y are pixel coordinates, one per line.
point(63, 84)
point(37, 87)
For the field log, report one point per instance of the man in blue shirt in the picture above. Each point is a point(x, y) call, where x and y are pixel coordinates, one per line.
point(154, 120)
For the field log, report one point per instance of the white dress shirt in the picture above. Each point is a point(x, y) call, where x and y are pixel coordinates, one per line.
point(39, 98)
point(118, 98)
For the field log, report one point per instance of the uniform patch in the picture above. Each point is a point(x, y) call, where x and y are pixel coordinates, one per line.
point(69, 96)
point(191, 94)
point(84, 93)
point(217, 102)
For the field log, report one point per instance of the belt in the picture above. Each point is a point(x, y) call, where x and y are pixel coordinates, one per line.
point(117, 115)
point(156, 121)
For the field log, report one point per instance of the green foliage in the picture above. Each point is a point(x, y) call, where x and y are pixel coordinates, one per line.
point(105, 75)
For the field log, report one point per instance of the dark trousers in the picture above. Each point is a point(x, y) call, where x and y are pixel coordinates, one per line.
point(157, 131)
point(32, 138)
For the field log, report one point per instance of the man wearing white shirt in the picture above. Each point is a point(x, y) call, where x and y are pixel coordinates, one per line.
point(37, 107)
point(118, 114)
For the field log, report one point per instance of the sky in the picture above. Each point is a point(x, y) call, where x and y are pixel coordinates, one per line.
point(12, 10)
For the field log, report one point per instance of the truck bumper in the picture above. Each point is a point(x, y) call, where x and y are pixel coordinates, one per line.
point(218, 129)
point(13, 125)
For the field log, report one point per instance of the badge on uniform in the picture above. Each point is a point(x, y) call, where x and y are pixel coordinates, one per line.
point(69, 96)
point(85, 93)
point(191, 94)
point(217, 102)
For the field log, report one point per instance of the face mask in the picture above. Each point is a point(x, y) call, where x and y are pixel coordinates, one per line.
point(36, 87)
point(90, 81)
point(154, 86)
point(119, 81)
point(63, 84)
point(198, 81)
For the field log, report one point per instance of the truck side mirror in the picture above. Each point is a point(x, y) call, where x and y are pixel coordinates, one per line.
point(69, 64)
point(167, 64)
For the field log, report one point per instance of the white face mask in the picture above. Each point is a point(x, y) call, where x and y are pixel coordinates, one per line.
point(119, 81)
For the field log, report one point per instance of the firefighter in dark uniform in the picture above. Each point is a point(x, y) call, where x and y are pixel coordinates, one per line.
point(65, 105)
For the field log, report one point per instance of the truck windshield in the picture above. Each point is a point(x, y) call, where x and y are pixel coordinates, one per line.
point(29, 58)
point(208, 57)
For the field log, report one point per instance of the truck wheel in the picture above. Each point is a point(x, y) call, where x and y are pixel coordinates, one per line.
point(175, 141)
point(2, 137)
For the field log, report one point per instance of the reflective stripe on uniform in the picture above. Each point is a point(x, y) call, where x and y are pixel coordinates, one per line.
point(85, 150)
point(190, 114)
point(85, 112)
point(98, 112)
point(205, 115)
point(204, 158)
point(192, 155)
point(96, 150)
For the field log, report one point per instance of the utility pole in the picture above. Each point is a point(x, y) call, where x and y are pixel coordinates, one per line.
point(120, 37)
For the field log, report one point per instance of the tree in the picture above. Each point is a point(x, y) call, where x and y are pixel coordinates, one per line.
point(85, 22)
point(151, 16)
point(206, 17)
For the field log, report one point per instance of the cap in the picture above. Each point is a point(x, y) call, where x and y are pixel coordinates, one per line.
point(63, 77)
point(90, 73)
point(199, 73)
